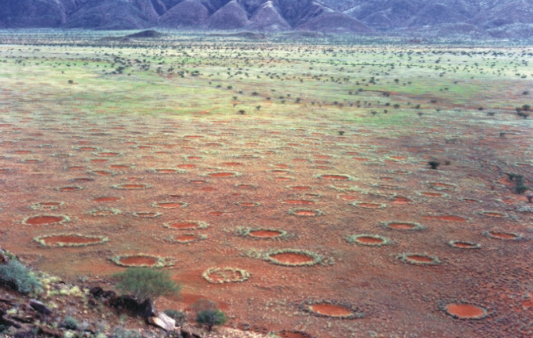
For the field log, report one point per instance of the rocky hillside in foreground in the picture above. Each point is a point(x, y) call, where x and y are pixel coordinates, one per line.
point(477, 18)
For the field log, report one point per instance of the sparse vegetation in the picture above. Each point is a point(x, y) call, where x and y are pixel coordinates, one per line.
point(19, 277)
point(146, 283)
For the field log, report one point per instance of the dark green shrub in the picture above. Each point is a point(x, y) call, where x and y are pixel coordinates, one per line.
point(434, 164)
point(144, 283)
point(210, 318)
point(19, 277)
point(178, 316)
point(70, 323)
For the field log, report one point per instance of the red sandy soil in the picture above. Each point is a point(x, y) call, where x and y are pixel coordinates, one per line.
point(398, 299)
point(292, 258)
point(138, 260)
point(44, 220)
point(465, 310)
point(56, 240)
point(369, 240)
point(265, 233)
point(330, 310)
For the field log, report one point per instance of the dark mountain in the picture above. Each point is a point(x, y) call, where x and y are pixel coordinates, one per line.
point(189, 13)
point(474, 18)
point(268, 18)
point(231, 16)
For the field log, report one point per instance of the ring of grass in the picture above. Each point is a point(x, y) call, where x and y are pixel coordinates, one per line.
point(316, 211)
point(245, 275)
point(356, 312)
point(404, 258)
point(160, 261)
point(175, 171)
point(95, 172)
point(41, 240)
point(245, 232)
point(516, 238)
point(317, 258)
point(40, 206)
point(62, 155)
point(416, 226)
point(77, 188)
point(140, 214)
point(158, 204)
point(199, 225)
point(354, 239)
point(255, 204)
point(121, 186)
point(360, 205)
point(111, 212)
point(65, 219)
point(448, 187)
point(345, 177)
point(472, 245)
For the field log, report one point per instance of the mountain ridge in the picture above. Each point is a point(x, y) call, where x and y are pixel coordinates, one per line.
point(488, 18)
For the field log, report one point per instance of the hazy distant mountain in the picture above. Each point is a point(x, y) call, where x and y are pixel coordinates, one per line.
point(497, 18)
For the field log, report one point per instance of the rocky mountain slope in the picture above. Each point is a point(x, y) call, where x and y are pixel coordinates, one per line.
point(484, 18)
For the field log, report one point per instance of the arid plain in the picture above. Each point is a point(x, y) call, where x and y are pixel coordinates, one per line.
point(288, 179)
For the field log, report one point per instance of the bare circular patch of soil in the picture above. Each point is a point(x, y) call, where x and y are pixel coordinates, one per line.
point(46, 205)
point(446, 218)
point(503, 235)
point(494, 214)
point(131, 186)
point(186, 166)
point(465, 311)
point(165, 171)
point(368, 240)
point(248, 204)
point(69, 188)
point(170, 205)
point(70, 240)
point(293, 257)
point(245, 186)
point(305, 212)
point(80, 180)
point(299, 202)
point(432, 194)
point(368, 205)
point(107, 154)
point(403, 226)
point(225, 275)
point(46, 220)
point(261, 233)
point(186, 225)
point(105, 199)
point(330, 310)
point(401, 200)
point(300, 187)
point(442, 186)
point(464, 245)
point(335, 177)
point(418, 259)
point(102, 173)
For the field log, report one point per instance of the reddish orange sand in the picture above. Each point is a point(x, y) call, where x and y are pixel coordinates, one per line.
point(138, 260)
point(292, 258)
point(265, 233)
point(465, 310)
point(44, 220)
point(331, 310)
point(57, 240)
point(370, 240)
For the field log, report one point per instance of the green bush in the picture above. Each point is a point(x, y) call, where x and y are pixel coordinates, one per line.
point(178, 316)
point(120, 332)
point(70, 323)
point(19, 277)
point(144, 283)
point(210, 318)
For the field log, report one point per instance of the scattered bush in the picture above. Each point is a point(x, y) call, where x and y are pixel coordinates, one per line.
point(144, 283)
point(19, 277)
point(70, 323)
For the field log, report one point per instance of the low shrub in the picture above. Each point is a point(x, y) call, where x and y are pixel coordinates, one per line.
point(19, 277)
point(178, 316)
point(70, 323)
point(144, 283)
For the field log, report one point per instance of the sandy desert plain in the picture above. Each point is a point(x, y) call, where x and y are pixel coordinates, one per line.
point(285, 179)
